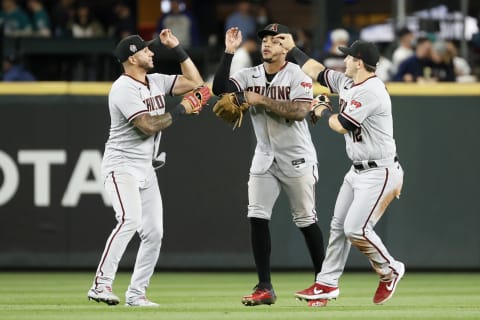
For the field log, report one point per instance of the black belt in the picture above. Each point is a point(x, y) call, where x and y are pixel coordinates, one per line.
point(370, 164)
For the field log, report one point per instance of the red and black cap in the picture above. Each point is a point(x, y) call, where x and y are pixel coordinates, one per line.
point(272, 30)
point(129, 46)
point(363, 50)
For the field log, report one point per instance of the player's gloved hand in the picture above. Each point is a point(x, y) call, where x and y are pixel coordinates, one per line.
point(196, 99)
point(231, 107)
point(318, 104)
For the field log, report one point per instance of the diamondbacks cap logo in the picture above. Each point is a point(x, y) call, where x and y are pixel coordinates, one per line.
point(274, 27)
point(133, 48)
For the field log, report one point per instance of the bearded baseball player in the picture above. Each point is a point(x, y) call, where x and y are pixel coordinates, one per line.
point(375, 177)
point(137, 111)
point(277, 95)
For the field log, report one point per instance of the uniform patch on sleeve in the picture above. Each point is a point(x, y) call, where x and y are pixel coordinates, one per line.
point(307, 86)
point(354, 104)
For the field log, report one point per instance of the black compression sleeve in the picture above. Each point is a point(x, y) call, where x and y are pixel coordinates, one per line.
point(177, 111)
point(299, 56)
point(221, 83)
point(180, 53)
point(321, 78)
point(326, 113)
point(346, 124)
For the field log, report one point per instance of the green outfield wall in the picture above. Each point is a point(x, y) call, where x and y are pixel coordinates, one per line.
point(54, 214)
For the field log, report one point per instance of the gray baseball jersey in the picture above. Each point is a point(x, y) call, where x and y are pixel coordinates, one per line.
point(130, 179)
point(287, 141)
point(368, 107)
point(367, 189)
point(127, 149)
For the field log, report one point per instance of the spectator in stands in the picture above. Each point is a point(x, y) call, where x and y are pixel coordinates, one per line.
point(245, 55)
point(243, 19)
point(333, 59)
point(463, 71)
point(442, 67)
point(419, 66)
point(40, 18)
point(182, 24)
point(262, 17)
point(63, 15)
point(123, 23)
point(15, 21)
point(304, 41)
point(383, 70)
point(85, 24)
point(13, 70)
point(405, 48)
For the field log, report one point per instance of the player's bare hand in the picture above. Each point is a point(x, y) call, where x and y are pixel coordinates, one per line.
point(233, 39)
point(286, 40)
point(168, 39)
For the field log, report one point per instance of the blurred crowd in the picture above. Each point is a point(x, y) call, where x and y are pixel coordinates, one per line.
point(66, 18)
point(412, 57)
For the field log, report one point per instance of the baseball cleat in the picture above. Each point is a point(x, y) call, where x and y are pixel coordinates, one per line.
point(259, 296)
point(318, 303)
point(386, 289)
point(140, 301)
point(103, 294)
point(318, 291)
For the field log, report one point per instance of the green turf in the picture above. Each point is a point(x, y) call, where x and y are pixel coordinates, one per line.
point(210, 296)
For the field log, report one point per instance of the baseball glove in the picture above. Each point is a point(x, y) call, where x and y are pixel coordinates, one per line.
point(318, 101)
point(231, 107)
point(197, 98)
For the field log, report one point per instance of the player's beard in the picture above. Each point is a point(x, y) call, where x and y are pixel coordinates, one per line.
point(145, 65)
point(267, 60)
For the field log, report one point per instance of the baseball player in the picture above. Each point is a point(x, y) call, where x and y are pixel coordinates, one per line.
point(279, 95)
point(375, 178)
point(137, 111)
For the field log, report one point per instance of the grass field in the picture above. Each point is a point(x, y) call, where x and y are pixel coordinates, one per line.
point(210, 296)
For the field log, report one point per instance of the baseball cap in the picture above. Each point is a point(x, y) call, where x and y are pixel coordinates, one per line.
point(363, 50)
point(129, 46)
point(273, 29)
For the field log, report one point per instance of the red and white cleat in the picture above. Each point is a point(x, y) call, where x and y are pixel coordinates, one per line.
point(386, 289)
point(318, 303)
point(259, 296)
point(318, 291)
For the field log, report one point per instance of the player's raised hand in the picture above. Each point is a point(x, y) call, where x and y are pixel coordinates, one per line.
point(286, 40)
point(233, 39)
point(168, 39)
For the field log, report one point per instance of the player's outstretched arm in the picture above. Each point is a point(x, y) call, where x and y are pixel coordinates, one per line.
point(221, 82)
point(149, 125)
point(323, 111)
point(293, 110)
point(192, 102)
point(190, 77)
point(310, 66)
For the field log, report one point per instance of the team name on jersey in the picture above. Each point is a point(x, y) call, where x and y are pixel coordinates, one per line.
point(274, 92)
point(155, 103)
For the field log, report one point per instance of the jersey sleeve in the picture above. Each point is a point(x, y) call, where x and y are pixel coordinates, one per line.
point(239, 78)
point(334, 80)
point(128, 101)
point(360, 107)
point(301, 88)
point(165, 81)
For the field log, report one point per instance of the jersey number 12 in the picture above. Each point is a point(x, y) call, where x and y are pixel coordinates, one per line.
point(356, 135)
